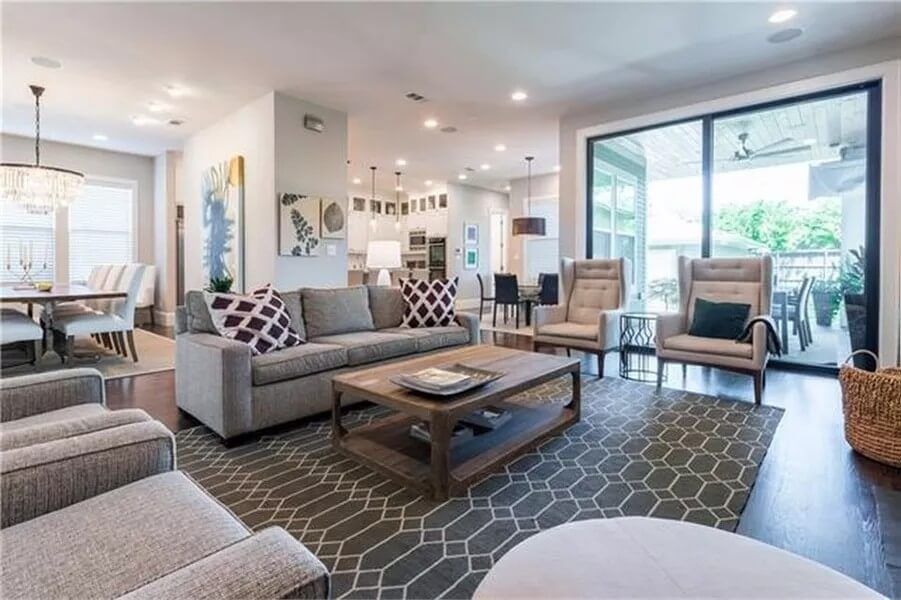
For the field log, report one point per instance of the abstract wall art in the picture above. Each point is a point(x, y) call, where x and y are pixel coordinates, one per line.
point(334, 220)
point(299, 229)
point(222, 201)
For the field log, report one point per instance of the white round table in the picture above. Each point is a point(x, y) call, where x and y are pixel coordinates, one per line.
point(639, 557)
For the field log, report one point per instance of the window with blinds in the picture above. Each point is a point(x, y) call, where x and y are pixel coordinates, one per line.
point(101, 228)
point(23, 233)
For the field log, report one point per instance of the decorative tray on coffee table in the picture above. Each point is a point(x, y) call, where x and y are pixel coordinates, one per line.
point(461, 378)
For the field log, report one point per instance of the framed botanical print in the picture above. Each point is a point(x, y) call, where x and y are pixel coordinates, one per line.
point(299, 226)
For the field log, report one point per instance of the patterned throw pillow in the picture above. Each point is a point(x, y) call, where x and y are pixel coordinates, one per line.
point(259, 319)
point(429, 303)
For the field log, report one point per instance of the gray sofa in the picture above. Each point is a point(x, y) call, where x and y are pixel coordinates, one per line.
point(92, 508)
point(233, 393)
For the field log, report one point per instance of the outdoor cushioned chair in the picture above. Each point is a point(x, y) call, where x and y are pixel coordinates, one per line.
point(587, 318)
point(741, 280)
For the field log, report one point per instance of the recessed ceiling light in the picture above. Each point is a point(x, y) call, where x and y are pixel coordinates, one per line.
point(785, 35)
point(783, 15)
point(507, 188)
point(518, 96)
point(461, 176)
point(428, 182)
point(557, 168)
point(141, 120)
point(484, 166)
point(499, 148)
point(46, 62)
point(430, 123)
point(99, 137)
point(357, 181)
point(157, 107)
point(400, 162)
point(177, 91)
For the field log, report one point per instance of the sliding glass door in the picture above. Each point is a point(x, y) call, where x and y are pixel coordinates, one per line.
point(646, 199)
point(796, 179)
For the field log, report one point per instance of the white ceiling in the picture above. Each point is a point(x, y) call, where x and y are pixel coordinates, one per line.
point(465, 58)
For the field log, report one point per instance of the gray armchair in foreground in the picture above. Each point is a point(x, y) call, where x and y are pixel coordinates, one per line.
point(587, 318)
point(744, 280)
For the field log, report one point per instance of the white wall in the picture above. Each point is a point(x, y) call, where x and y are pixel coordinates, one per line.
point(97, 163)
point(248, 132)
point(878, 60)
point(315, 164)
point(167, 171)
point(543, 186)
point(470, 204)
point(279, 156)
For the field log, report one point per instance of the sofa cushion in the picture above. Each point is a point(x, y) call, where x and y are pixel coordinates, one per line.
point(705, 345)
point(335, 311)
point(76, 411)
point(370, 346)
point(429, 303)
point(113, 543)
point(432, 338)
point(570, 330)
point(297, 361)
point(197, 313)
point(387, 306)
point(295, 310)
point(258, 319)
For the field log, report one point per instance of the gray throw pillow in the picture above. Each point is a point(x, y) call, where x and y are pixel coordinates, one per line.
point(198, 313)
point(330, 311)
point(295, 310)
point(387, 306)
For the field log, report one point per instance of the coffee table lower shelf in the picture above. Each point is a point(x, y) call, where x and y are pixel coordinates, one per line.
point(386, 446)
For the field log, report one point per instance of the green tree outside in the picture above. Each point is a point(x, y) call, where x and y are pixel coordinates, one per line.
point(781, 227)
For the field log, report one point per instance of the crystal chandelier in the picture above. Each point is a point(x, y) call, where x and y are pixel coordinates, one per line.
point(39, 189)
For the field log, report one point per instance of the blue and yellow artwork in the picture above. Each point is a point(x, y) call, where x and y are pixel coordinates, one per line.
point(223, 222)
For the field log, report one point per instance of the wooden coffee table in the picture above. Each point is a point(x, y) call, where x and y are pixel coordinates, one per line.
point(438, 469)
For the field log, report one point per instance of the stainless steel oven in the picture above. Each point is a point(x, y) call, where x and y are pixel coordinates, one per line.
point(418, 240)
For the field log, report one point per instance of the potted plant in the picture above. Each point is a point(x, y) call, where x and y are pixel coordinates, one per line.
point(851, 280)
point(827, 298)
point(223, 284)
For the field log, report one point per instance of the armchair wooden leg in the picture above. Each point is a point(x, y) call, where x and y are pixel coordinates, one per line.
point(516, 308)
point(494, 318)
point(600, 365)
point(107, 340)
point(660, 367)
point(569, 353)
point(758, 387)
point(481, 309)
point(131, 344)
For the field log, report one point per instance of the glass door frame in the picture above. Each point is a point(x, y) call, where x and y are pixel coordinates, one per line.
point(873, 191)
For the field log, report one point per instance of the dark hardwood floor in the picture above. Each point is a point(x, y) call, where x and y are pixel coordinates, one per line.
point(813, 495)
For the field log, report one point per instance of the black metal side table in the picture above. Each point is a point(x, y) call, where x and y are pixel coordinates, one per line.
point(637, 357)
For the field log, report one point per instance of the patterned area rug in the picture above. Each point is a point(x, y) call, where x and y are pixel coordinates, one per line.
point(670, 454)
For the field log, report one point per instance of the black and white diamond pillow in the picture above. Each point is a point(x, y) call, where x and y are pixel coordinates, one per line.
point(429, 303)
point(259, 319)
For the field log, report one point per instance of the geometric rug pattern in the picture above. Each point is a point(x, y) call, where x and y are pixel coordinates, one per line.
point(636, 451)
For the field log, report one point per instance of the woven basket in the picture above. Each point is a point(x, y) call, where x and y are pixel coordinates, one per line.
point(871, 402)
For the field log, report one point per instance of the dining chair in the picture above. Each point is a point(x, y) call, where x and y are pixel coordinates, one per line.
point(482, 297)
point(798, 306)
point(117, 323)
point(506, 294)
point(548, 284)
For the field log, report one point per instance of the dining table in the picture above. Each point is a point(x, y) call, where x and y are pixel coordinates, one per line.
point(529, 295)
point(49, 299)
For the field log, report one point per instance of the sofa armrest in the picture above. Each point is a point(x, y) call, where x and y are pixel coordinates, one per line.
point(759, 353)
point(30, 395)
point(270, 564)
point(213, 382)
point(608, 328)
point(668, 325)
point(547, 314)
point(42, 478)
point(472, 325)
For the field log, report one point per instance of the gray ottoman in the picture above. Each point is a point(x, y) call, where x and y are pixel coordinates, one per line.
point(637, 557)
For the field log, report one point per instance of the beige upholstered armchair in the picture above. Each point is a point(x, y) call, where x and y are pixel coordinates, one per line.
point(587, 318)
point(744, 280)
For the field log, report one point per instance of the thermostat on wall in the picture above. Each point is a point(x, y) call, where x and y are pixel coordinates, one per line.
point(313, 123)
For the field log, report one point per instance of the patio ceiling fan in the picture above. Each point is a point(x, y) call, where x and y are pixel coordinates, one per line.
point(745, 152)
